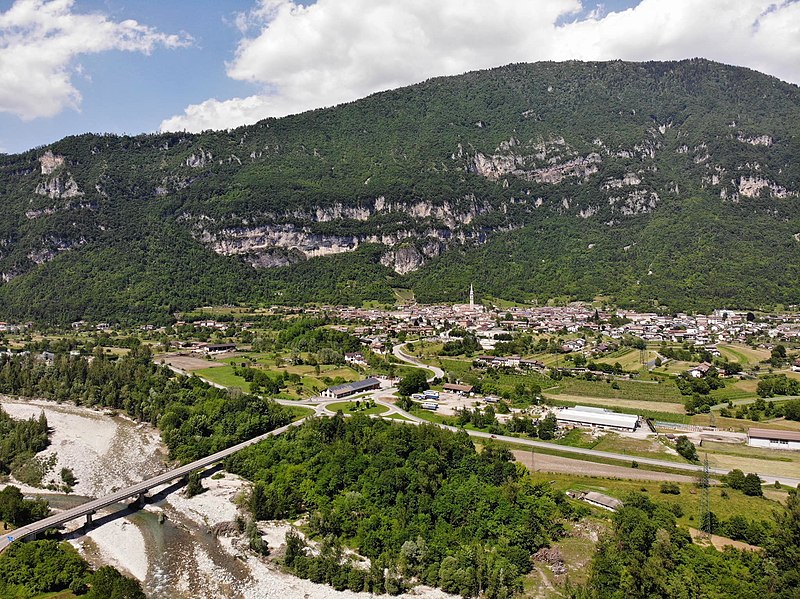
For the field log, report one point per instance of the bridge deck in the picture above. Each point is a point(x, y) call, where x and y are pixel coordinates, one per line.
point(94, 505)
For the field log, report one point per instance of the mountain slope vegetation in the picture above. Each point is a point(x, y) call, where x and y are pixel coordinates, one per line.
point(671, 184)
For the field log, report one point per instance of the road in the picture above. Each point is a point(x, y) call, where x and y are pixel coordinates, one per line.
point(404, 357)
point(320, 407)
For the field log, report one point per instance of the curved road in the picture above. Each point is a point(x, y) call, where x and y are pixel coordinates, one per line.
point(404, 357)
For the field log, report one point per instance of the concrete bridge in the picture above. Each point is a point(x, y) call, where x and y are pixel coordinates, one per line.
point(139, 490)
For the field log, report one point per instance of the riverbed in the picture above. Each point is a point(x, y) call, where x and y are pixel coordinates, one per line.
point(178, 547)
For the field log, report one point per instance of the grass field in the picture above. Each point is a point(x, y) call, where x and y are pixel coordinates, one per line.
point(606, 402)
point(223, 375)
point(737, 503)
point(629, 358)
point(631, 390)
point(352, 407)
point(500, 380)
point(396, 416)
point(676, 367)
point(743, 354)
point(742, 425)
point(310, 382)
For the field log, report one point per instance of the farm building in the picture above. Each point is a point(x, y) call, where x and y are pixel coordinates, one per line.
point(460, 389)
point(761, 437)
point(220, 348)
point(348, 389)
point(588, 417)
point(596, 499)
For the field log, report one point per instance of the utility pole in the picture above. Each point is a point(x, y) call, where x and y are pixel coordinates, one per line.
point(706, 525)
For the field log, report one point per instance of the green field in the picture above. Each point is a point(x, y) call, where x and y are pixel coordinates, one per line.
point(396, 416)
point(492, 381)
point(310, 382)
point(352, 407)
point(745, 355)
point(665, 391)
point(736, 504)
point(223, 375)
point(629, 358)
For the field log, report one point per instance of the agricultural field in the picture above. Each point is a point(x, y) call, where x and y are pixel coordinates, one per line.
point(223, 375)
point(749, 459)
point(736, 504)
point(665, 391)
point(736, 424)
point(630, 359)
point(631, 404)
point(495, 381)
point(312, 379)
point(743, 354)
point(735, 391)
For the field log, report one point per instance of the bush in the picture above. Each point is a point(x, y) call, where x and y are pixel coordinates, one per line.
point(669, 488)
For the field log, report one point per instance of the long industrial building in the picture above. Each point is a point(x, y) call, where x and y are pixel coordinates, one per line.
point(773, 439)
point(588, 417)
point(348, 389)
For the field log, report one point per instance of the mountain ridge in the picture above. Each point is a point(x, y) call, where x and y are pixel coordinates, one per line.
point(534, 180)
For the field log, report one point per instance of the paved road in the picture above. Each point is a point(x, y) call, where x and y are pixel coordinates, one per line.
point(579, 451)
point(404, 357)
point(94, 505)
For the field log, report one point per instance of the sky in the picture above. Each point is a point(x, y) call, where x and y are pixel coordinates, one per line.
point(134, 66)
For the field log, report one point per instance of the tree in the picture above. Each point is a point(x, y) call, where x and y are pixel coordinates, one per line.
point(108, 583)
point(548, 427)
point(752, 485)
point(414, 382)
point(735, 479)
point(194, 486)
point(686, 448)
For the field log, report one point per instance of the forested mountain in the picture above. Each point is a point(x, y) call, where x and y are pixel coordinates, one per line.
point(659, 183)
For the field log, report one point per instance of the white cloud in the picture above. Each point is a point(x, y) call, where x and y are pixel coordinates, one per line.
point(39, 42)
point(338, 50)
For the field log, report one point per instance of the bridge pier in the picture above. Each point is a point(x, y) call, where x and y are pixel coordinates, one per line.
point(141, 499)
point(89, 519)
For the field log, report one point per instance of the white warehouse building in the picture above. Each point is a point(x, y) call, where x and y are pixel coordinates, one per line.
point(588, 417)
point(773, 439)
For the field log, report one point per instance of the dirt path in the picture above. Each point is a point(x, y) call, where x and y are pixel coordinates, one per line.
point(551, 463)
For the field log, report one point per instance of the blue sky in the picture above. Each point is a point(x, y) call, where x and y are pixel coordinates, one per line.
point(72, 66)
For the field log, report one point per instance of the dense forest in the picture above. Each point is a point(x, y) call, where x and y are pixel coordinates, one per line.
point(36, 568)
point(647, 556)
point(195, 418)
point(20, 439)
point(671, 184)
point(420, 502)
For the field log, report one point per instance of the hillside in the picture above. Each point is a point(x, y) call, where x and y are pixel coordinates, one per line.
point(668, 184)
